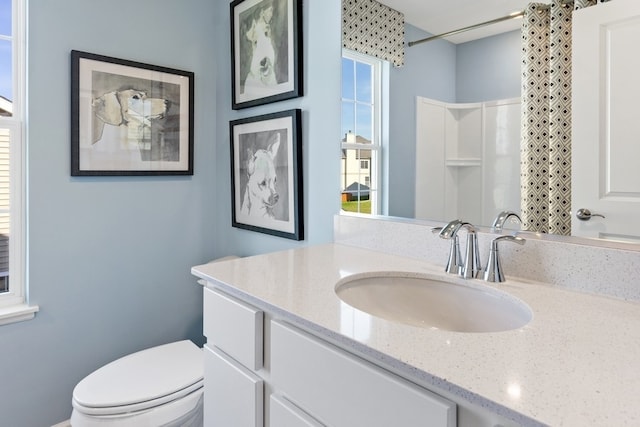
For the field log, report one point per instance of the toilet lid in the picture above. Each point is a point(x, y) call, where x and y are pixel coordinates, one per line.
point(143, 376)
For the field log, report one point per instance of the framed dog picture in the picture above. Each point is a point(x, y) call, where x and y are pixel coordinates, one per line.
point(266, 51)
point(266, 175)
point(129, 118)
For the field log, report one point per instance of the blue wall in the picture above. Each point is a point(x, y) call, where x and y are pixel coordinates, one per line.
point(489, 68)
point(109, 257)
point(320, 126)
point(481, 70)
point(429, 71)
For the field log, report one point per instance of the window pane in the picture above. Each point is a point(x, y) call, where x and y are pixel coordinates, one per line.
point(359, 167)
point(4, 210)
point(364, 121)
point(348, 118)
point(5, 17)
point(6, 85)
point(4, 253)
point(356, 171)
point(363, 82)
point(355, 181)
point(348, 91)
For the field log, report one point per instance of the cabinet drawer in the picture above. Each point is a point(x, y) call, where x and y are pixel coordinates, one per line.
point(284, 414)
point(340, 389)
point(234, 327)
point(233, 394)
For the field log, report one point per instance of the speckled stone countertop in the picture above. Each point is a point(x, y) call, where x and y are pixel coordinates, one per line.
point(577, 363)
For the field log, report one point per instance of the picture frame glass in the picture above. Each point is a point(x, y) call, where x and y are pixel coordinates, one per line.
point(130, 119)
point(266, 174)
point(265, 45)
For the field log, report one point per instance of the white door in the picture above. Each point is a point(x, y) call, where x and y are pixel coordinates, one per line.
point(606, 121)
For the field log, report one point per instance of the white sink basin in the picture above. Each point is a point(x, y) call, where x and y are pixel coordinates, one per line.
point(432, 303)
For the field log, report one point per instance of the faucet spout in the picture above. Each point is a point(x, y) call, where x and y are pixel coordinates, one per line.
point(502, 218)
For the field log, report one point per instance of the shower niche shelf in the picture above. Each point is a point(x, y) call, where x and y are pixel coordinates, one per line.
point(463, 162)
point(465, 157)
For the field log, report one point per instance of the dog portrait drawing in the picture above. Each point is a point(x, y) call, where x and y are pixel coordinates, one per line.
point(263, 46)
point(135, 115)
point(129, 107)
point(264, 178)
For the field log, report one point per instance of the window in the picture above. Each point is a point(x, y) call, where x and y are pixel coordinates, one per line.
point(361, 127)
point(12, 94)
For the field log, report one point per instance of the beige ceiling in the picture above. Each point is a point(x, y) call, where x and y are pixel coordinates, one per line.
point(441, 16)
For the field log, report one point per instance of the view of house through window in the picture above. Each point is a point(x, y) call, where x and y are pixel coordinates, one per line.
point(10, 152)
point(5, 137)
point(361, 133)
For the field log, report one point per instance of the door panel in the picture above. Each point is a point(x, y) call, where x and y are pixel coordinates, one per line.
point(606, 115)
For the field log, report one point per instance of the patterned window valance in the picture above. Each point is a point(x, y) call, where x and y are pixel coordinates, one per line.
point(374, 29)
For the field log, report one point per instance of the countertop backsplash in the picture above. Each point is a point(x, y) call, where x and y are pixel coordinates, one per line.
point(605, 271)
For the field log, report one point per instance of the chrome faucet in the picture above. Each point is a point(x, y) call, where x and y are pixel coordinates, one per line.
point(502, 217)
point(470, 267)
point(493, 271)
point(454, 262)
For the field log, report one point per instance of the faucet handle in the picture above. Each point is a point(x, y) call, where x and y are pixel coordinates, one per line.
point(454, 262)
point(470, 266)
point(451, 229)
point(493, 272)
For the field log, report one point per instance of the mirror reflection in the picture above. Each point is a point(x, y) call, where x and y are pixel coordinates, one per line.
point(451, 142)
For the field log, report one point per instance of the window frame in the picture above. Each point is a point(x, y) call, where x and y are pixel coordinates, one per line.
point(14, 304)
point(376, 146)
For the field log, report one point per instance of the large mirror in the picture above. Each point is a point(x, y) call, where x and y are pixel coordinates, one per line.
point(469, 86)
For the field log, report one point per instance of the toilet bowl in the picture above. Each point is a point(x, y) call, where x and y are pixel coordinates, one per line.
point(160, 386)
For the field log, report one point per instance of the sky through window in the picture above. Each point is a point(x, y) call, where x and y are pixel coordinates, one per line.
point(6, 63)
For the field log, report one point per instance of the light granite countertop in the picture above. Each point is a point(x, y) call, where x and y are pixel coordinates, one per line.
point(577, 362)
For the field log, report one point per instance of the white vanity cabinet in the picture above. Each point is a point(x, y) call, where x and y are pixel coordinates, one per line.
point(283, 413)
point(299, 380)
point(342, 390)
point(234, 393)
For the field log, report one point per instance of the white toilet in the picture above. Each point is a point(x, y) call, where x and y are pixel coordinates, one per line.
point(160, 386)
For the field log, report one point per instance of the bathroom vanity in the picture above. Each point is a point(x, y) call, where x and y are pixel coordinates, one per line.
point(302, 378)
point(283, 350)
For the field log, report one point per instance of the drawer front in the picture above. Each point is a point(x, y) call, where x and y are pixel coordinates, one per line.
point(234, 327)
point(341, 390)
point(285, 414)
point(233, 394)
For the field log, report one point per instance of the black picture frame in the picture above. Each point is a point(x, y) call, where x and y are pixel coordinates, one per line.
point(274, 29)
point(266, 174)
point(129, 118)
